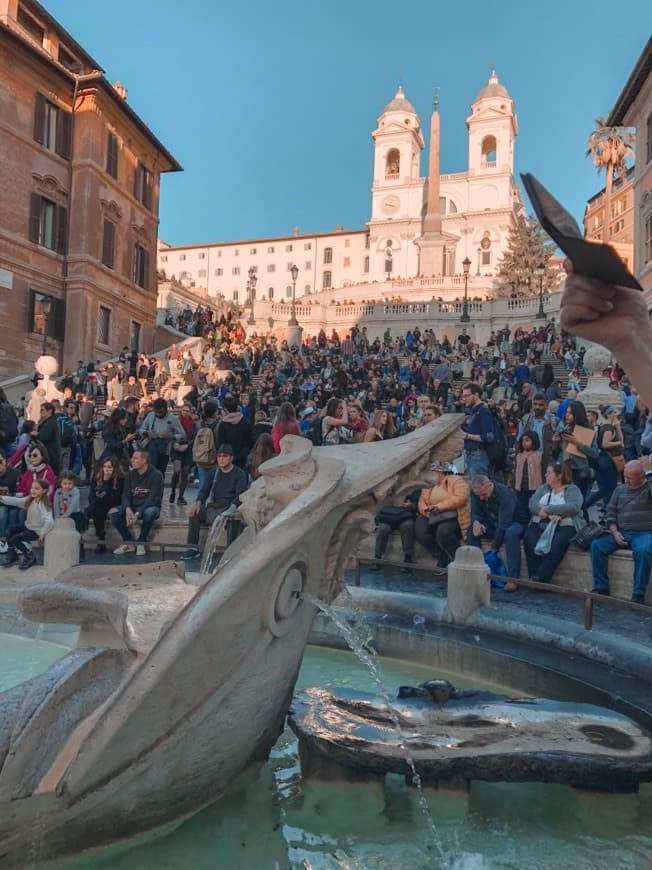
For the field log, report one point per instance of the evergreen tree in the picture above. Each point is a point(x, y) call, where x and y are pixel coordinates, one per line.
point(528, 249)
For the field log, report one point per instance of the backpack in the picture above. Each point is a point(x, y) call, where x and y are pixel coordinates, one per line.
point(8, 423)
point(204, 451)
point(497, 450)
point(67, 429)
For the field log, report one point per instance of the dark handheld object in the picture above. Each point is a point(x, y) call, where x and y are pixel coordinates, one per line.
point(593, 259)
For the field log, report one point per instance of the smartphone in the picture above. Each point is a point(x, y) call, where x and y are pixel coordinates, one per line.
point(593, 259)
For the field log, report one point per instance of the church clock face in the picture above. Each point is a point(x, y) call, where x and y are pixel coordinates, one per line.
point(391, 204)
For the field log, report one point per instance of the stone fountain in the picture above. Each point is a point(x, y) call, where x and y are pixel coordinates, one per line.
point(173, 689)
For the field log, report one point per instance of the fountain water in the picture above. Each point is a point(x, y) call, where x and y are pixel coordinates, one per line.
point(361, 646)
point(212, 541)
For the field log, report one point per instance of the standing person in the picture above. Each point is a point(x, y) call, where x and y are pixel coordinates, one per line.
point(141, 500)
point(159, 430)
point(204, 448)
point(116, 438)
point(575, 415)
point(181, 455)
point(560, 500)
point(285, 424)
point(143, 373)
point(478, 432)
point(235, 430)
point(611, 444)
point(38, 522)
point(49, 435)
point(104, 494)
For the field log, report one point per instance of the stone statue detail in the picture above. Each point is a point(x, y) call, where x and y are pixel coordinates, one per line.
point(45, 390)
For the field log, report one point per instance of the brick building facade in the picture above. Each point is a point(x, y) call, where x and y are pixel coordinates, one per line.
point(79, 206)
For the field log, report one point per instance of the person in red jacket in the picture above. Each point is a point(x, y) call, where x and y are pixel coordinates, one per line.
point(286, 424)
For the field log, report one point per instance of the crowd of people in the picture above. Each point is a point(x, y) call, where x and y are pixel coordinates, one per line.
point(536, 461)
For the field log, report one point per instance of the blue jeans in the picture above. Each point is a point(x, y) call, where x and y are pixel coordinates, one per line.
point(8, 519)
point(512, 543)
point(148, 518)
point(477, 462)
point(641, 545)
point(606, 478)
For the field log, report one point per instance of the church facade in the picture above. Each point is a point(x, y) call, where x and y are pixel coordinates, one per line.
point(420, 227)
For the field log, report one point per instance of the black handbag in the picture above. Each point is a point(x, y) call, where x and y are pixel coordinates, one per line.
point(393, 515)
point(589, 533)
point(441, 517)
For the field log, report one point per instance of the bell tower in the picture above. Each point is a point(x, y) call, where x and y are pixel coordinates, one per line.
point(492, 126)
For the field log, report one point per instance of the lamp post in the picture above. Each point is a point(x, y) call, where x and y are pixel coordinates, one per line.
point(252, 295)
point(46, 308)
point(466, 265)
point(294, 270)
point(541, 271)
point(479, 258)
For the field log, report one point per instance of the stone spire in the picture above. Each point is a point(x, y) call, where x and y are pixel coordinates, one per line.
point(432, 222)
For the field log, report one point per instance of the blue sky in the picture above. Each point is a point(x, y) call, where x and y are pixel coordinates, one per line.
point(269, 106)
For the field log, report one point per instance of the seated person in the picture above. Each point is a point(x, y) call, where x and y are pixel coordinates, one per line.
point(556, 499)
point(142, 495)
point(629, 520)
point(494, 515)
point(8, 483)
point(219, 495)
point(436, 528)
point(400, 518)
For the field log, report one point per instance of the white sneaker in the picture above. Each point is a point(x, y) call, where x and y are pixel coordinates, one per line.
point(123, 549)
point(141, 550)
point(3, 547)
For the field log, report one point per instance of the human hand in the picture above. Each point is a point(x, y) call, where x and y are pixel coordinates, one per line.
point(604, 313)
point(130, 517)
point(478, 529)
point(194, 510)
point(619, 538)
point(433, 509)
point(542, 514)
point(569, 438)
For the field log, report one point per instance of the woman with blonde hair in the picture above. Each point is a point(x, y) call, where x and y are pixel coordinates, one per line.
point(383, 427)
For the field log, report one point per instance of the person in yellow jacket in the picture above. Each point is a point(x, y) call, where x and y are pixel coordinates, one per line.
point(444, 515)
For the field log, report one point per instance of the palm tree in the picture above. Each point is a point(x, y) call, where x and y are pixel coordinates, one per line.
point(609, 149)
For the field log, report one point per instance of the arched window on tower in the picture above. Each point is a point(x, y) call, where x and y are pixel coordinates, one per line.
point(393, 164)
point(489, 151)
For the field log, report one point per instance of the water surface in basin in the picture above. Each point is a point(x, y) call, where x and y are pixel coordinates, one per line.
point(271, 818)
point(22, 658)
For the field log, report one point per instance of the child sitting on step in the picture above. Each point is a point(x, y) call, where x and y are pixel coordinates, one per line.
point(67, 501)
point(38, 523)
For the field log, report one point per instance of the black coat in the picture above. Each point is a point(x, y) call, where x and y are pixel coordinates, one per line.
point(50, 437)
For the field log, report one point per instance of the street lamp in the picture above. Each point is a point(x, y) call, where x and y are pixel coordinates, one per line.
point(294, 270)
point(46, 308)
point(252, 295)
point(479, 258)
point(541, 271)
point(466, 265)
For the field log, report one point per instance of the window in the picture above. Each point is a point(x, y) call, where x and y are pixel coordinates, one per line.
point(367, 241)
point(365, 267)
point(48, 224)
point(134, 336)
point(648, 150)
point(306, 289)
point(52, 127)
point(31, 25)
point(288, 292)
point(327, 280)
point(236, 253)
point(201, 273)
point(141, 266)
point(103, 325)
point(108, 244)
point(347, 243)
point(235, 270)
point(271, 267)
point(647, 239)
point(183, 275)
point(393, 163)
point(486, 258)
point(54, 323)
point(164, 258)
point(270, 293)
point(219, 273)
point(270, 250)
point(112, 154)
point(347, 261)
point(488, 151)
point(66, 59)
point(143, 185)
point(252, 251)
point(328, 255)
point(235, 295)
point(288, 248)
point(201, 255)
point(442, 205)
point(219, 253)
point(307, 246)
point(308, 264)
point(182, 257)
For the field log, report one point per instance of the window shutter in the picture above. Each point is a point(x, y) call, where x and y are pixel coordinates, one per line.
point(39, 118)
point(108, 244)
point(60, 229)
point(34, 217)
point(145, 260)
point(64, 129)
point(112, 155)
point(57, 320)
point(137, 181)
point(30, 310)
point(147, 191)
